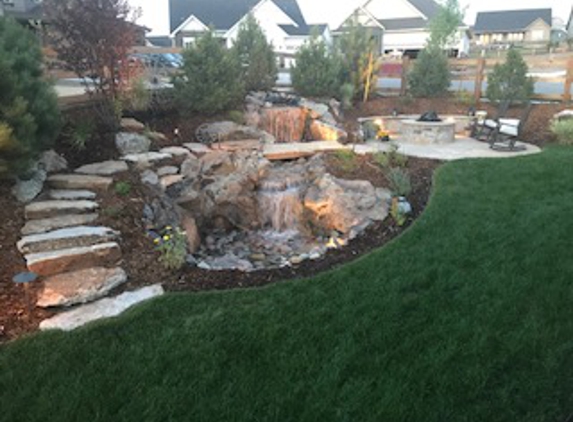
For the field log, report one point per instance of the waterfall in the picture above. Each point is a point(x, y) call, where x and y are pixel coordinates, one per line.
point(280, 202)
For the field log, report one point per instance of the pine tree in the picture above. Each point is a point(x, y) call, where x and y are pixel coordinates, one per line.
point(256, 57)
point(211, 80)
point(430, 76)
point(318, 71)
point(509, 81)
point(29, 113)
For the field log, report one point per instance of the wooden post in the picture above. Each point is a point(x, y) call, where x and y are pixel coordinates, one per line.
point(479, 79)
point(404, 76)
point(568, 81)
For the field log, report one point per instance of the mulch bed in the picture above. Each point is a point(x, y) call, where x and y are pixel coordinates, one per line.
point(124, 213)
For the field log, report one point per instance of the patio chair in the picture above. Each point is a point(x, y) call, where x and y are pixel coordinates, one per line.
point(502, 133)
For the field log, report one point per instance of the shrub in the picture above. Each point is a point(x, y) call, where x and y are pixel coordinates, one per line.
point(509, 81)
point(29, 113)
point(318, 70)
point(255, 56)
point(347, 160)
point(430, 75)
point(399, 179)
point(80, 134)
point(210, 82)
point(564, 131)
point(237, 116)
point(391, 158)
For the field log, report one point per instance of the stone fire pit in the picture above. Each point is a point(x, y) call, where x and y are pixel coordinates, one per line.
point(428, 133)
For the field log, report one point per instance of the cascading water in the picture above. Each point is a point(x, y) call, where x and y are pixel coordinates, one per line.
point(280, 203)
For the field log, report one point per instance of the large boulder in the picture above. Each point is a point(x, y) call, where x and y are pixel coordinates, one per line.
point(346, 205)
point(53, 162)
point(132, 143)
point(26, 190)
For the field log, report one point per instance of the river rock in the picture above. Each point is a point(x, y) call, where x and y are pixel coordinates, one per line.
point(149, 177)
point(81, 286)
point(132, 143)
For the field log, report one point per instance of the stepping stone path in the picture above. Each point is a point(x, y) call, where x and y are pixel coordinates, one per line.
point(78, 261)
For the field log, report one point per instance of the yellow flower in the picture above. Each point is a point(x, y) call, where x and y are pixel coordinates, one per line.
point(168, 228)
point(166, 238)
point(156, 241)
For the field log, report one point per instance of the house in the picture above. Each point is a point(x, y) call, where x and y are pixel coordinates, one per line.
point(404, 27)
point(27, 12)
point(513, 27)
point(282, 21)
point(569, 27)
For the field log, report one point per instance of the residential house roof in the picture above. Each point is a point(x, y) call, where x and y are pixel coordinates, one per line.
point(292, 10)
point(302, 30)
point(510, 20)
point(159, 41)
point(221, 14)
point(400, 24)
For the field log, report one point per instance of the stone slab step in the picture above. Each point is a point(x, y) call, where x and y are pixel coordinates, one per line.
point(73, 259)
point(71, 195)
point(147, 157)
point(105, 168)
point(197, 148)
point(103, 308)
point(54, 208)
point(292, 151)
point(81, 286)
point(79, 181)
point(49, 224)
point(72, 237)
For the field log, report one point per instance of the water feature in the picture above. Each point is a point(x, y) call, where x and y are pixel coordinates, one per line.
point(280, 202)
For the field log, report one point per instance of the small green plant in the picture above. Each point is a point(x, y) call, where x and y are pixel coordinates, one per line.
point(347, 160)
point(399, 180)
point(391, 158)
point(80, 134)
point(563, 129)
point(113, 211)
point(173, 248)
point(396, 213)
point(122, 188)
point(346, 95)
point(138, 97)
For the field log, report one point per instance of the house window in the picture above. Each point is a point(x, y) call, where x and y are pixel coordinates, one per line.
point(537, 35)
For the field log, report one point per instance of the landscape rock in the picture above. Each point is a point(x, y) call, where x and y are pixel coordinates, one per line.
point(52, 162)
point(191, 167)
point(81, 286)
point(168, 181)
point(106, 168)
point(229, 262)
point(147, 158)
point(66, 238)
point(132, 143)
point(177, 152)
point(26, 190)
point(70, 195)
point(167, 171)
point(149, 177)
point(189, 225)
point(49, 224)
point(197, 148)
point(131, 125)
point(342, 205)
point(104, 308)
point(79, 181)
point(72, 259)
point(317, 109)
point(54, 208)
point(217, 162)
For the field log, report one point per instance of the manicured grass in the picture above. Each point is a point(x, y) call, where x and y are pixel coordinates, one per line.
point(467, 317)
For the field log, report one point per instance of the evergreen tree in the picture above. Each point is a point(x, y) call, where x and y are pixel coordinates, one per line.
point(256, 57)
point(318, 71)
point(211, 80)
point(29, 113)
point(509, 81)
point(430, 75)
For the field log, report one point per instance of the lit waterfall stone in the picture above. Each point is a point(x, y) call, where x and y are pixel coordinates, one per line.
point(280, 202)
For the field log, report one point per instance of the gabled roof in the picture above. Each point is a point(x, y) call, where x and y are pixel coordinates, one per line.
point(510, 20)
point(428, 7)
point(303, 30)
point(292, 10)
point(400, 24)
point(221, 14)
point(159, 41)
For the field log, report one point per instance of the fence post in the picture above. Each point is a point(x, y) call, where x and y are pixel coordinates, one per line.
point(479, 79)
point(568, 81)
point(404, 76)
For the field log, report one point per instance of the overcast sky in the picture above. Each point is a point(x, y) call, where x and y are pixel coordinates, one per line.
point(156, 14)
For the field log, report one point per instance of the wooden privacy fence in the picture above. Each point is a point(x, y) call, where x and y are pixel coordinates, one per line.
point(553, 74)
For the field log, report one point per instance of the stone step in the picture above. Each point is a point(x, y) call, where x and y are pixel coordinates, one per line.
point(70, 195)
point(54, 208)
point(103, 308)
point(147, 157)
point(72, 237)
point(81, 286)
point(79, 181)
point(105, 168)
point(49, 224)
point(293, 151)
point(73, 259)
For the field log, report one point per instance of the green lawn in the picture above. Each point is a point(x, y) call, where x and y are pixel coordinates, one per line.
point(466, 317)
